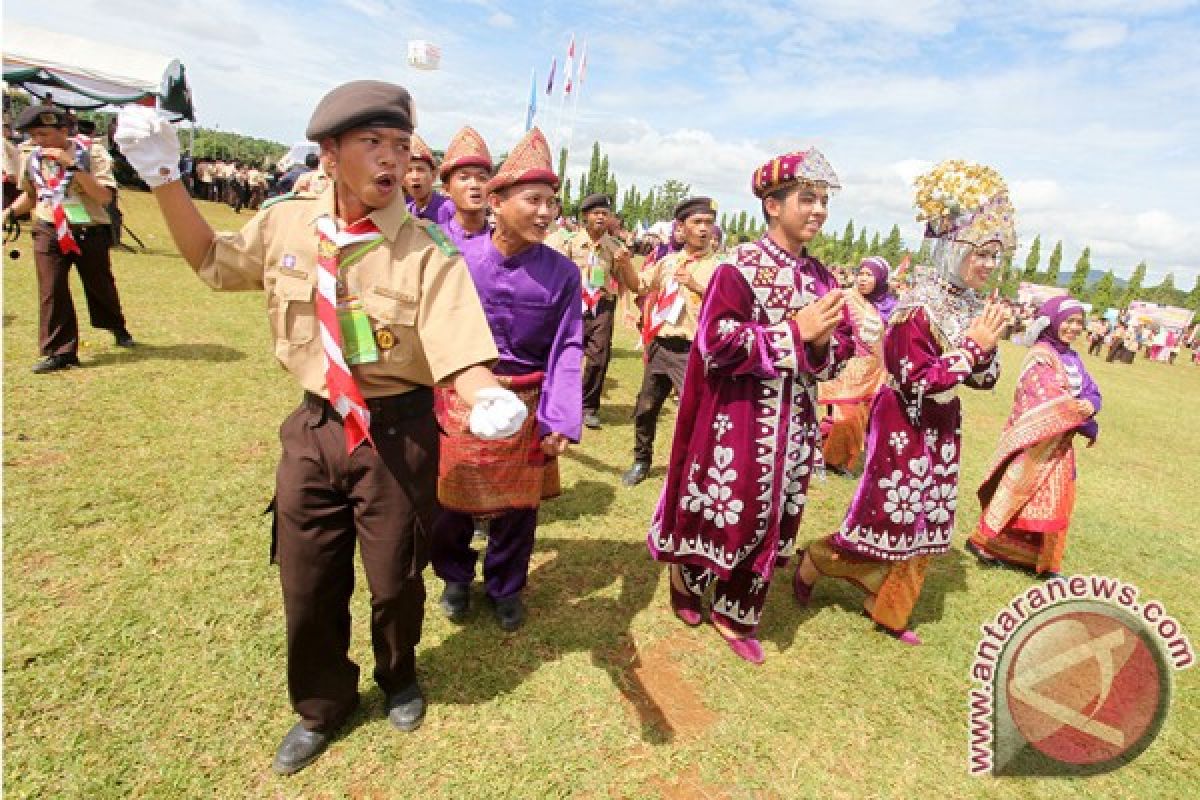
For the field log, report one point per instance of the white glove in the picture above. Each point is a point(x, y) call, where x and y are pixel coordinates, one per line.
point(149, 144)
point(497, 414)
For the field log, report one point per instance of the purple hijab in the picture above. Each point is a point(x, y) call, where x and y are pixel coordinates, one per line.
point(1053, 313)
point(881, 296)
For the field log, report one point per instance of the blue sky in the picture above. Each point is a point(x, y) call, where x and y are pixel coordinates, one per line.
point(1091, 110)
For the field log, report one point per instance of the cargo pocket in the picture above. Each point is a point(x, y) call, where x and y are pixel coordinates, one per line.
point(394, 319)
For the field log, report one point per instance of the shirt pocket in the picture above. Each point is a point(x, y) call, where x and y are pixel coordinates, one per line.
point(295, 310)
point(393, 314)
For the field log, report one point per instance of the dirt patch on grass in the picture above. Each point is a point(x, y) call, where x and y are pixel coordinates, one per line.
point(656, 690)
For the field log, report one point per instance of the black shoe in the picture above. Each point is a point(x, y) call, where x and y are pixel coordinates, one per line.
point(55, 363)
point(635, 474)
point(456, 600)
point(592, 420)
point(406, 708)
point(1049, 575)
point(299, 749)
point(510, 613)
point(124, 338)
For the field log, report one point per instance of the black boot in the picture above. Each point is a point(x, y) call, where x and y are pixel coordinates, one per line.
point(635, 474)
point(299, 748)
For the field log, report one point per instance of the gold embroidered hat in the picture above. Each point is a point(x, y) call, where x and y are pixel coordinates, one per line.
point(528, 162)
point(960, 201)
point(466, 149)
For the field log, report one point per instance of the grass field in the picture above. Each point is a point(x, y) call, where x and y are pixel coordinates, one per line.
point(143, 631)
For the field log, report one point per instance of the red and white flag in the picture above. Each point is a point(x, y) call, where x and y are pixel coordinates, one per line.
point(569, 67)
point(583, 65)
point(550, 82)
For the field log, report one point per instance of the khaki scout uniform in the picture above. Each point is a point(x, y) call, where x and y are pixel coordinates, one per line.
point(667, 354)
point(58, 328)
point(428, 324)
point(608, 254)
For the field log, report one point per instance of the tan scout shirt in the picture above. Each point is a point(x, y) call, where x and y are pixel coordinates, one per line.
point(100, 169)
point(610, 253)
point(421, 294)
point(557, 238)
point(656, 277)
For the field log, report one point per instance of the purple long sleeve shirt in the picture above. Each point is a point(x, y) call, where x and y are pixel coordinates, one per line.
point(460, 235)
point(439, 210)
point(532, 305)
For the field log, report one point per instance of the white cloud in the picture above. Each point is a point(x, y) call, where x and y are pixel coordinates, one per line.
point(502, 20)
point(1096, 35)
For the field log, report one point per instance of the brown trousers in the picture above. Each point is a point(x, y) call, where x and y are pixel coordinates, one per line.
point(666, 364)
point(597, 350)
point(384, 498)
point(58, 329)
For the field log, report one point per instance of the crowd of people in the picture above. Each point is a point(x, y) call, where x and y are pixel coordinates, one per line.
point(452, 344)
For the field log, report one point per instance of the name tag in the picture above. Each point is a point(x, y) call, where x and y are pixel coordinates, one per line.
point(77, 213)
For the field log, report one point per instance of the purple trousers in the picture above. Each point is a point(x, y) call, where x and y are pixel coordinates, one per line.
point(506, 562)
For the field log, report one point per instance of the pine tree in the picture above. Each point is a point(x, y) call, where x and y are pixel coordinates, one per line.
point(1103, 293)
point(1165, 293)
point(860, 249)
point(1033, 260)
point(602, 177)
point(845, 248)
point(893, 246)
point(1133, 290)
point(565, 198)
point(742, 223)
point(1011, 278)
point(1053, 265)
point(593, 173)
point(874, 244)
point(1079, 277)
point(1193, 298)
point(562, 166)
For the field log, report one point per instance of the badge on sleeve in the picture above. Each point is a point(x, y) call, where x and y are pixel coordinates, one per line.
point(385, 339)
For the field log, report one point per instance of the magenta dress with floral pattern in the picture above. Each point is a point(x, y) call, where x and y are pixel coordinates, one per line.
point(906, 500)
point(746, 433)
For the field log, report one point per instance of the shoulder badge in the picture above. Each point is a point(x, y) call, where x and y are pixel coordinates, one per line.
point(439, 238)
point(281, 197)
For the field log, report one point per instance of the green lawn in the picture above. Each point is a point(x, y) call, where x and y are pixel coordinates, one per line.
point(143, 633)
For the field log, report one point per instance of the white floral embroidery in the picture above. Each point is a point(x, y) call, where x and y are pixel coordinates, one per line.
point(727, 326)
point(930, 438)
point(898, 440)
point(722, 424)
point(901, 505)
point(757, 584)
point(905, 366)
point(715, 501)
point(941, 502)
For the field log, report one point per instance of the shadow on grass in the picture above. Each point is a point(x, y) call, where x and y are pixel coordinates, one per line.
point(578, 455)
point(216, 353)
point(616, 414)
point(947, 575)
point(582, 597)
point(583, 499)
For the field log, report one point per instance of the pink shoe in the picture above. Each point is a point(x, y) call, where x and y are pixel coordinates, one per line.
point(907, 636)
point(686, 606)
point(746, 648)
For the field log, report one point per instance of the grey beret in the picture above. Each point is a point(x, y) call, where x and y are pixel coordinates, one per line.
point(360, 104)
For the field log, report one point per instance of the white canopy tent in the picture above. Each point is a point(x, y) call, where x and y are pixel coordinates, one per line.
point(85, 74)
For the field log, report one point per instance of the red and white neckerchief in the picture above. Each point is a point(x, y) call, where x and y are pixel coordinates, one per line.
point(590, 298)
point(664, 306)
point(53, 190)
point(344, 394)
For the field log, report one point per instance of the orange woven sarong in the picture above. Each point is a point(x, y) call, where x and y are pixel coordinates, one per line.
point(487, 478)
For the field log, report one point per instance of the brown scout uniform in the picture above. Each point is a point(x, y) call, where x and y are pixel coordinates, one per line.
point(667, 354)
point(58, 328)
point(597, 326)
point(428, 324)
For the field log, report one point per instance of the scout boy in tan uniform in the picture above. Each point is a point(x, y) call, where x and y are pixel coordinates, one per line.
point(67, 186)
point(675, 286)
point(368, 309)
point(605, 265)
